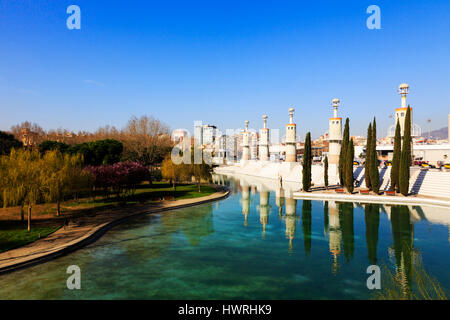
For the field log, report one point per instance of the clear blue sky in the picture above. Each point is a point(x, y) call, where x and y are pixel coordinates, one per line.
point(222, 62)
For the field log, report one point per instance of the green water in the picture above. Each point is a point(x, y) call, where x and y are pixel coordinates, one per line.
point(246, 247)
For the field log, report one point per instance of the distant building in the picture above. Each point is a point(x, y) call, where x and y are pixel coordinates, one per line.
point(431, 153)
point(204, 134)
point(209, 133)
point(179, 135)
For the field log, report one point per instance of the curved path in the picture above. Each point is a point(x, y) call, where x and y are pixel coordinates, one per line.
point(84, 230)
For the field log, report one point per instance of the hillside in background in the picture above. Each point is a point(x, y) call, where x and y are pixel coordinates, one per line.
point(437, 134)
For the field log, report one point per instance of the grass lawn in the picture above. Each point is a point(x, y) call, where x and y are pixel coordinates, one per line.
point(14, 234)
point(146, 193)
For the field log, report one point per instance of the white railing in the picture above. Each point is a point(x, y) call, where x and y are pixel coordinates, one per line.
point(416, 131)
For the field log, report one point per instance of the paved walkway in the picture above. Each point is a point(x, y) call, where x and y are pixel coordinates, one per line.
point(84, 230)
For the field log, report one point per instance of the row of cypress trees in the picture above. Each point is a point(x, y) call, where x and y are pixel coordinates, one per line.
point(346, 157)
point(401, 160)
point(400, 164)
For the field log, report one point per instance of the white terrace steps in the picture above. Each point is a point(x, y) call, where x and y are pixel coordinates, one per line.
point(422, 182)
point(432, 183)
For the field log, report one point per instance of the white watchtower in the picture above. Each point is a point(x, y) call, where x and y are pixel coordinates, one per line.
point(335, 135)
point(400, 116)
point(245, 143)
point(291, 133)
point(264, 141)
point(400, 113)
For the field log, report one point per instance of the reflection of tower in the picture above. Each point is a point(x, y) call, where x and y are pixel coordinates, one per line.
point(264, 141)
point(245, 143)
point(335, 234)
point(264, 209)
point(335, 136)
point(290, 217)
point(245, 201)
point(279, 200)
point(291, 133)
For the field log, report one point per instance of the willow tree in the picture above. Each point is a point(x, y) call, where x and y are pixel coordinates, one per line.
point(349, 167)
point(60, 175)
point(174, 172)
point(199, 171)
point(374, 174)
point(306, 167)
point(21, 184)
point(325, 172)
point(405, 159)
point(395, 168)
point(368, 156)
point(343, 152)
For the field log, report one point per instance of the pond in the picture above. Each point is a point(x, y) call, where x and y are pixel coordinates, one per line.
point(255, 244)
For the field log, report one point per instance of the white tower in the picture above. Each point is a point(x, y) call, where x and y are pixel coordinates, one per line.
point(264, 141)
point(400, 113)
point(245, 143)
point(291, 133)
point(335, 135)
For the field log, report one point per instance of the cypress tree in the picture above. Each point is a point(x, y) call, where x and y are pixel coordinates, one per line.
point(343, 152)
point(374, 174)
point(405, 159)
point(306, 170)
point(395, 169)
point(349, 167)
point(368, 156)
point(325, 172)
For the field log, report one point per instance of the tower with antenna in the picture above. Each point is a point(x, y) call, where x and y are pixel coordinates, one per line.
point(400, 115)
point(335, 134)
point(264, 141)
point(291, 133)
point(245, 143)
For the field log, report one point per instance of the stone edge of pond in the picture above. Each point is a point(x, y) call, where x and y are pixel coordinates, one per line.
point(389, 200)
point(98, 231)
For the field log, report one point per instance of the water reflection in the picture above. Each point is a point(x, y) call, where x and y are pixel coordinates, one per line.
point(372, 218)
point(288, 249)
point(290, 219)
point(245, 201)
point(306, 225)
point(339, 224)
point(334, 233)
point(264, 210)
point(403, 246)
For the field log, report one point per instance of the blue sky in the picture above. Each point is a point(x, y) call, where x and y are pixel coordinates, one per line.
point(222, 62)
